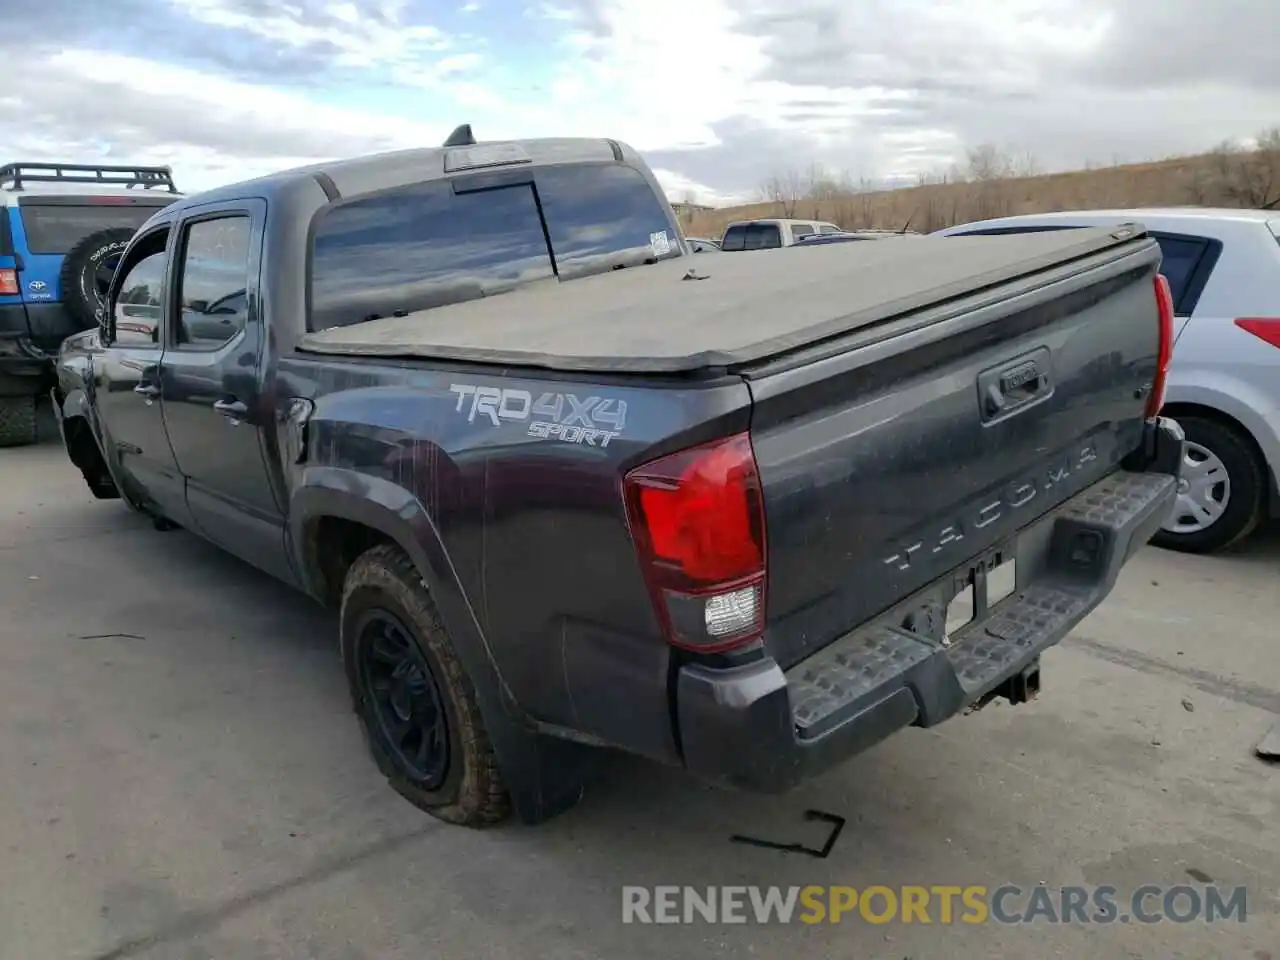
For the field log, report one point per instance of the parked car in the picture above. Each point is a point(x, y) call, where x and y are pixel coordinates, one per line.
point(769, 233)
point(62, 226)
point(1224, 386)
point(565, 491)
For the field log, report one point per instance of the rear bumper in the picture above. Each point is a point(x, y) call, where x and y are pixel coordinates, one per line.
point(758, 727)
point(24, 368)
point(50, 324)
point(30, 335)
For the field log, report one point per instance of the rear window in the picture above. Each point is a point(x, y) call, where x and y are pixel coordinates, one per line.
point(56, 228)
point(1179, 258)
point(437, 243)
point(751, 236)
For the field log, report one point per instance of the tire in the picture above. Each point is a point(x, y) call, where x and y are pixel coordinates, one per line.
point(386, 606)
point(86, 272)
point(18, 421)
point(1222, 496)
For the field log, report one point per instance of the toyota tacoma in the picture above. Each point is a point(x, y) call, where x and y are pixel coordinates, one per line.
point(569, 487)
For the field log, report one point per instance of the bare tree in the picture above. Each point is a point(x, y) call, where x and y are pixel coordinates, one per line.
point(1268, 161)
point(987, 162)
point(1249, 177)
point(822, 189)
point(785, 190)
point(1026, 165)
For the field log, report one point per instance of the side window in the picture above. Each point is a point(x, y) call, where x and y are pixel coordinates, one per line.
point(1179, 258)
point(828, 228)
point(423, 246)
point(213, 280)
point(136, 312)
point(763, 236)
point(799, 230)
point(735, 238)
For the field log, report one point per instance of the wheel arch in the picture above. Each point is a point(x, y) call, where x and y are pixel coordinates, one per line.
point(335, 514)
point(543, 775)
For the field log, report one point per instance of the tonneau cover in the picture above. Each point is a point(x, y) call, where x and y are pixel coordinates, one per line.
point(749, 307)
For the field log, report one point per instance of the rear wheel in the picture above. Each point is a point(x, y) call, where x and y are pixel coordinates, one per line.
point(415, 702)
point(17, 421)
point(1221, 493)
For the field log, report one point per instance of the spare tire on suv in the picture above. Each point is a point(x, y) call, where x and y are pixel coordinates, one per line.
point(87, 271)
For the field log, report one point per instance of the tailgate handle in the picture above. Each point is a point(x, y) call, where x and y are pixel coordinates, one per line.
point(1003, 389)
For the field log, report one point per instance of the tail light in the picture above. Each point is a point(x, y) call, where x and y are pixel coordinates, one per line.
point(1164, 303)
point(697, 518)
point(1264, 328)
point(8, 282)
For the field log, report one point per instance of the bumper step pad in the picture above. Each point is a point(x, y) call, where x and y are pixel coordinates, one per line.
point(1091, 537)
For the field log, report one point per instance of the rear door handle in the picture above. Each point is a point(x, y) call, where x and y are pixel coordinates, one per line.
point(233, 410)
point(148, 390)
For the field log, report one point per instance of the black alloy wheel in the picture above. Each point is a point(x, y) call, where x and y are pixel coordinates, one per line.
point(405, 699)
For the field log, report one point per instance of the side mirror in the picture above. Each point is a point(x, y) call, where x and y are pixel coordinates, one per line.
point(198, 306)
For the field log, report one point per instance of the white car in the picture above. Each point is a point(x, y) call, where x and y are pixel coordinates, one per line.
point(770, 233)
point(1224, 385)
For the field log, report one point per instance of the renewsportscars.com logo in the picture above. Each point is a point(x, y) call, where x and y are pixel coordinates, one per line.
point(940, 904)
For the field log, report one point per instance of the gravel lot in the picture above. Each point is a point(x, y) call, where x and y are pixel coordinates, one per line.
point(181, 778)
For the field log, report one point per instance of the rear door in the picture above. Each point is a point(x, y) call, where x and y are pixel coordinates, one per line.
point(214, 409)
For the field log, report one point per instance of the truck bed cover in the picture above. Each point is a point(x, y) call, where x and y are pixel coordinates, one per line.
point(746, 308)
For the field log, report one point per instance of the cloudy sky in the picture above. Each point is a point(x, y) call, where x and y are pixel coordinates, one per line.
point(719, 95)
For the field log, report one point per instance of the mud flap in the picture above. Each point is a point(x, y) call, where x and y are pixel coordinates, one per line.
point(544, 775)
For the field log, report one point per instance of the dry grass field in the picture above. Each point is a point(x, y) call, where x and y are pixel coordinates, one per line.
point(992, 184)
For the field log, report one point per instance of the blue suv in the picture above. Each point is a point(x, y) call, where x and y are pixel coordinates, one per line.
point(62, 228)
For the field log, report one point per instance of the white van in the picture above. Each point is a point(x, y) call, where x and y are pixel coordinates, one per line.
point(769, 233)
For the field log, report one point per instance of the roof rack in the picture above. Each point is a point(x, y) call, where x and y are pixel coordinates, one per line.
point(16, 174)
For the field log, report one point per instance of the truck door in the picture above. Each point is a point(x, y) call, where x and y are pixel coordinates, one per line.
point(214, 410)
point(127, 380)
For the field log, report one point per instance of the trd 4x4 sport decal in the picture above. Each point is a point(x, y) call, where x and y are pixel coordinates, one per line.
point(593, 421)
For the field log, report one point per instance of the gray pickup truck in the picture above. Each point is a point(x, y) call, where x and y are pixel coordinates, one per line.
point(569, 487)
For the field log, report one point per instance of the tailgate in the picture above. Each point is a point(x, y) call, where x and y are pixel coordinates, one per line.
point(920, 446)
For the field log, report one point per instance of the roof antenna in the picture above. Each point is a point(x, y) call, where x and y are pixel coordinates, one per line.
point(461, 137)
